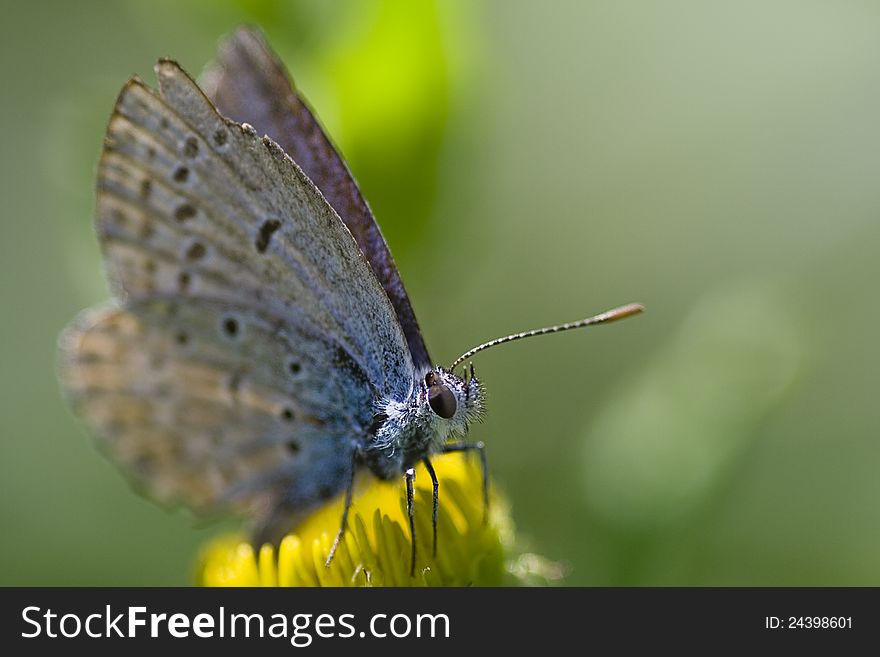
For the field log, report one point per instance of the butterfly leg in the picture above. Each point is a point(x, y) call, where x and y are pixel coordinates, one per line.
point(484, 466)
point(410, 476)
point(349, 491)
point(436, 485)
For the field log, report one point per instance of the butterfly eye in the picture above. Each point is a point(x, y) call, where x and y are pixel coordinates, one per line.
point(442, 400)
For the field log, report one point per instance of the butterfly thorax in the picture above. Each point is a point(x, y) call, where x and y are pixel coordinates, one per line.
point(441, 407)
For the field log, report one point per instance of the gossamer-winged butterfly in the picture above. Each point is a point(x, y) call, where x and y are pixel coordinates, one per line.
point(260, 347)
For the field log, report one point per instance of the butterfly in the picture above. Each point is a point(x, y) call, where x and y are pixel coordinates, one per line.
point(260, 348)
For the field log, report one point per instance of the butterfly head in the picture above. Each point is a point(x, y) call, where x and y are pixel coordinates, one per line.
point(457, 401)
point(441, 406)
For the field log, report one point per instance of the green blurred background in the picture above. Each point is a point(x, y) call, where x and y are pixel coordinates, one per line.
point(529, 163)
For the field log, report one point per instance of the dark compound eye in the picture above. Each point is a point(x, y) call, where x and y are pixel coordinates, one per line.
point(440, 397)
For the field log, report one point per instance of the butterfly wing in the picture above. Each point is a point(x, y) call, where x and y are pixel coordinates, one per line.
point(212, 404)
point(244, 300)
point(249, 83)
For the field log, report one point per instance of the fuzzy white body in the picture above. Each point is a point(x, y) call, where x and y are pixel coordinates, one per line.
point(412, 430)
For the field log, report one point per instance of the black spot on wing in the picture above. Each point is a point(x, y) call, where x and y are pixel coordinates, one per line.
point(191, 147)
point(265, 235)
point(220, 137)
point(230, 327)
point(181, 174)
point(184, 212)
point(196, 251)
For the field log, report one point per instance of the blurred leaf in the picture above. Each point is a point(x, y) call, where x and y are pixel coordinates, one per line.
point(390, 75)
point(671, 435)
point(379, 74)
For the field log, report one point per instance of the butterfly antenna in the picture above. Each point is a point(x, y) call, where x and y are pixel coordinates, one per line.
point(602, 318)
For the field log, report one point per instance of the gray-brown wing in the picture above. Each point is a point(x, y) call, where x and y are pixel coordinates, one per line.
point(193, 205)
point(214, 405)
point(249, 83)
point(241, 297)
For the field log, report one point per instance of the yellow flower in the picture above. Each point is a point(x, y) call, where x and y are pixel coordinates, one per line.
point(375, 550)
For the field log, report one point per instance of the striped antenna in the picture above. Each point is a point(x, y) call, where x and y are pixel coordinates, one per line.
point(602, 318)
